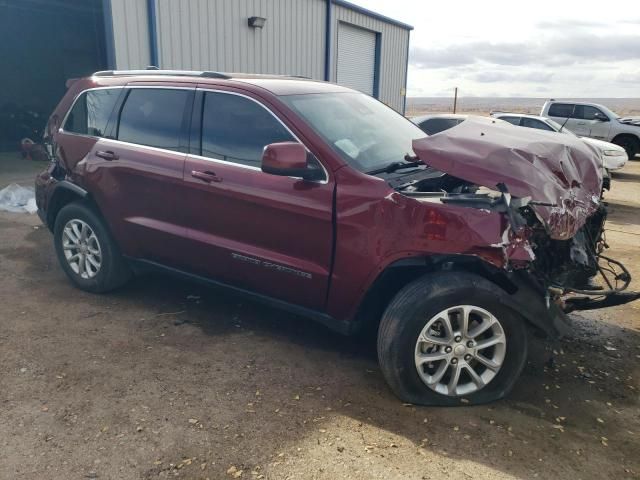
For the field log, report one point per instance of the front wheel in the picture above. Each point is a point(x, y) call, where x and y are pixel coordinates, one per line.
point(631, 145)
point(447, 338)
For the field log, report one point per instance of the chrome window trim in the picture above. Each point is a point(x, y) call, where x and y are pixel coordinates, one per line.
point(214, 90)
point(249, 167)
point(140, 145)
point(117, 87)
point(199, 157)
point(223, 162)
point(161, 87)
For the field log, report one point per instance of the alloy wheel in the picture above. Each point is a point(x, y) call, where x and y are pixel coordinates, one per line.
point(81, 248)
point(460, 350)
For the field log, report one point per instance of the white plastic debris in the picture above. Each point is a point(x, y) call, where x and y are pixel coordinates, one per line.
point(17, 199)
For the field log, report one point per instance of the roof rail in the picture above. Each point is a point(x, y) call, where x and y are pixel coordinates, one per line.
point(172, 73)
point(215, 75)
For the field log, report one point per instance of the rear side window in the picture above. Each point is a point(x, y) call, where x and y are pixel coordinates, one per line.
point(91, 111)
point(437, 125)
point(563, 110)
point(153, 117)
point(511, 120)
point(237, 129)
point(533, 123)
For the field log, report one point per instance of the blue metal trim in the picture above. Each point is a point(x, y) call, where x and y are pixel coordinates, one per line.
point(376, 66)
point(327, 41)
point(406, 75)
point(364, 11)
point(108, 34)
point(153, 32)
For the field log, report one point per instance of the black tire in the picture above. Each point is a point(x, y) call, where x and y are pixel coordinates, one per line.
point(410, 311)
point(113, 271)
point(630, 144)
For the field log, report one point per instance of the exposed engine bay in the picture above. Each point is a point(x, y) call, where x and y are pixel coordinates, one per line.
point(576, 272)
point(550, 196)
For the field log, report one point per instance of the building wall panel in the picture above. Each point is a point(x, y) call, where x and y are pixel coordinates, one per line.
point(130, 33)
point(214, 35)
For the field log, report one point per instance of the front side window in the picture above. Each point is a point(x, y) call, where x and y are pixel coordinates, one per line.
point(153, 117)
point(533, 123)
point(563, 110)
point(236, 129)
point(91, 111)
point(587, 112)
point(366, 133)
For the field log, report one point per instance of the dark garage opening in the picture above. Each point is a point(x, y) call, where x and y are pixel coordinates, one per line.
point(42, 44)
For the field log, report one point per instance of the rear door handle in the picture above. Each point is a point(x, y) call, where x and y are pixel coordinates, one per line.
point(108, 155)
point(206, 176)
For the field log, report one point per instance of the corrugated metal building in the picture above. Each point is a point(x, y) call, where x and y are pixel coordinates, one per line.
point(322, 39)
point(45, 42)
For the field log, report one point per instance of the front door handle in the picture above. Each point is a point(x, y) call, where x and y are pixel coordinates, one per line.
point(206, 176)
point(107, 155)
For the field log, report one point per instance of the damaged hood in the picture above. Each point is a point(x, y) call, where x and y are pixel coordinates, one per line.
point(561, 174)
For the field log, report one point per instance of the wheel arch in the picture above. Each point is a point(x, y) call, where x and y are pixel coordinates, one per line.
point(627, 135)
point(519, 287)
point(63, 194)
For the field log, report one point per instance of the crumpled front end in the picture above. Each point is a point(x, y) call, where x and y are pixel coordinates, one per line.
point(562, 179)
point(548, 191)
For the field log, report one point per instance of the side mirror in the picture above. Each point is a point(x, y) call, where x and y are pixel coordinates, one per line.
point(601, 117)
point(288, 159)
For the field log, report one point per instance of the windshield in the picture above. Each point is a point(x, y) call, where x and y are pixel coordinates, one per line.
point(366, 133)
point(610, 113)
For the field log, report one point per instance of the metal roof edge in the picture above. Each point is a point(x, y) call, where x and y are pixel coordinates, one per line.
point(371, 13)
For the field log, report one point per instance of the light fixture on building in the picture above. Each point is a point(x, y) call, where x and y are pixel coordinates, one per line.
point(256, 22)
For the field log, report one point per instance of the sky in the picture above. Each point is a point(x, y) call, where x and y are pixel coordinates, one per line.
point(540, 48)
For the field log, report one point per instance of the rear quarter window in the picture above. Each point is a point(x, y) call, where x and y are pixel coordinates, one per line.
point(537, 124)
point(437, 125)
point(91, 111)
point(511, 120)
point(563, 110)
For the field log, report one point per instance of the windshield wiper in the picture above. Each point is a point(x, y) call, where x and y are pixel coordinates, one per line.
point(411, 162)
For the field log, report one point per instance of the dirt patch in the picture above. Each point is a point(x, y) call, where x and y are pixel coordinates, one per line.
point(165, 378)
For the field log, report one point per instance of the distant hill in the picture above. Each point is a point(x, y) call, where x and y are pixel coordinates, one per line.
point(483, 105)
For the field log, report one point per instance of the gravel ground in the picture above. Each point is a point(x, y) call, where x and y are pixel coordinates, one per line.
point(164, 378)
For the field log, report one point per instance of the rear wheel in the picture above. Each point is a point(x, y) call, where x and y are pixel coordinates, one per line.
point(448, 337)
point(86, 251)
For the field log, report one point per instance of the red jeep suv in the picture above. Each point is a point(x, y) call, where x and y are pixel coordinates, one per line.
point(325, 202)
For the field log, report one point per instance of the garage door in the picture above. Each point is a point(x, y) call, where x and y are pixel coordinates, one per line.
point(356, 58)
point(42, 44)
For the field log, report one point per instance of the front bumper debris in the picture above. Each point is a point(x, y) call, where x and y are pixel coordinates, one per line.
point(591, 303)
point(615, 278)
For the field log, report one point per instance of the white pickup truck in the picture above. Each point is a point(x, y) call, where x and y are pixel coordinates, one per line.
point(596, 121)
